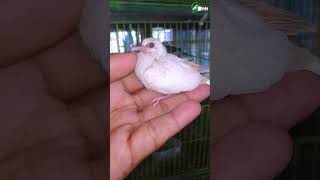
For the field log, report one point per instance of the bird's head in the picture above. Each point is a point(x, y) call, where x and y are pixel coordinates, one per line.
point(151, 46)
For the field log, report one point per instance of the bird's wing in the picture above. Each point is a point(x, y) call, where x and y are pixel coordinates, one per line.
point(302, 59)
point(169, 76)
point(189, 65)
point(194, 66)
point(156, 79)
point(164, 78)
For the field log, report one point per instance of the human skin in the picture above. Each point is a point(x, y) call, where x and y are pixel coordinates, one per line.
point(250, 132)
point(53, 102)
point(137, 128)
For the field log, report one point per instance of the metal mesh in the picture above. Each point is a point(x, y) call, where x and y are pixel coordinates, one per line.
point(309, 10)
point(185, 156)
point(187, 39)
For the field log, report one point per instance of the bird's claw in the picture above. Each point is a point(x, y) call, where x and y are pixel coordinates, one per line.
point(157, 100)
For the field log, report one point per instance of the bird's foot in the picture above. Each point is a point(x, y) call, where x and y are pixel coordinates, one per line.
point(158, 99)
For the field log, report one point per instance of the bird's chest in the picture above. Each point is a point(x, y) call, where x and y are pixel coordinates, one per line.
point(144, 63)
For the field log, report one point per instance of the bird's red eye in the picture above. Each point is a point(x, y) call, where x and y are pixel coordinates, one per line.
point(151, 45)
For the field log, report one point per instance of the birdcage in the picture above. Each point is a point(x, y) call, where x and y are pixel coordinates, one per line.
point(186, 34)
point(298, 19)
point(187, 39)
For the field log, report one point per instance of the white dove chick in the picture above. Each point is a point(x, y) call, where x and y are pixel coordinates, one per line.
point(164, 72)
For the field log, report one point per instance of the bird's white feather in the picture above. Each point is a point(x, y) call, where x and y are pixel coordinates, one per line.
point(166, 73)
point(250, 55)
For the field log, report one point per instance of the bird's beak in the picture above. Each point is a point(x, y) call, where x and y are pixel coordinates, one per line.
point(139, 48)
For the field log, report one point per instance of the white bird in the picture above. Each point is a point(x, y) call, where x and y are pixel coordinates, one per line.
point(163, 72)
point(249, 54)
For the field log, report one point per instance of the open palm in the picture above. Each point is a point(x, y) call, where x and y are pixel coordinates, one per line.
point(137, 127)
point(250, 132)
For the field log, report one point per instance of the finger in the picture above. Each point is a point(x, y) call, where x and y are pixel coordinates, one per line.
point(121, 65)
point(239, 154)
point(131, 83)
point(297, 93)
point(91, 111)
point(69, 69)
point(34, 25)
point(228, 114)
point(144, 97)
point(156, 132)
point(167, 105)
point(23, 94)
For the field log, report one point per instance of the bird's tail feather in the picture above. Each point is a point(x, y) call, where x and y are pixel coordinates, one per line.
point(303, 59)
point(205, 80)
point(197, 67)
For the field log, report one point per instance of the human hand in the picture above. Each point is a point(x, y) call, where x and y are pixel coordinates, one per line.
point(250, 131)
point(53, 96)
point(137, 127)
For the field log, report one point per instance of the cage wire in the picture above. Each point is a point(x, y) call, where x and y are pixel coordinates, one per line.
point(307, 9)
point(189, 40)
point(186, 155)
